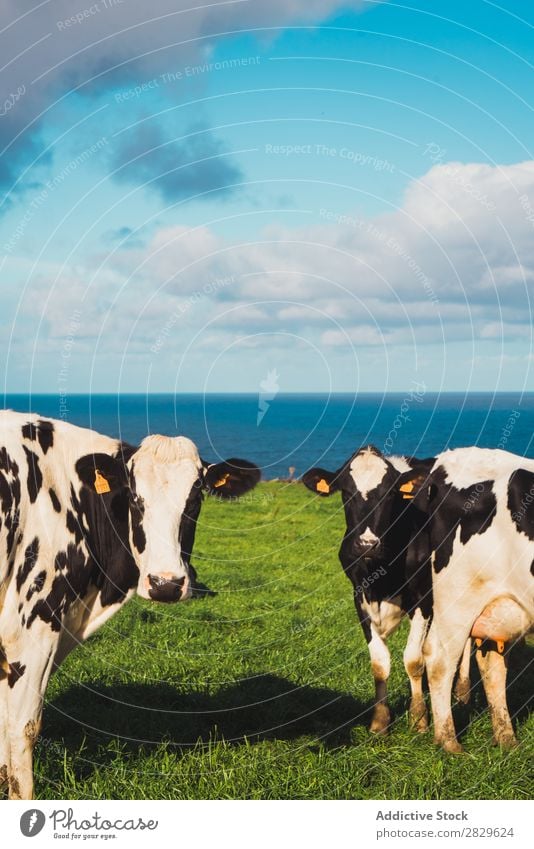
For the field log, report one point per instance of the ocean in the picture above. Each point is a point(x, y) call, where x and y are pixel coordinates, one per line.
point(304, 430)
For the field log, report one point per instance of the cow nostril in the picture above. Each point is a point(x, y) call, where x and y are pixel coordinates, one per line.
point(166, 589)
point(157, 581)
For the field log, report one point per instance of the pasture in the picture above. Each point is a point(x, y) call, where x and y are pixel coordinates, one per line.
point(263, 690)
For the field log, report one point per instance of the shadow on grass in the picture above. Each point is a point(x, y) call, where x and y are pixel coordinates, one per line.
point(265, 707)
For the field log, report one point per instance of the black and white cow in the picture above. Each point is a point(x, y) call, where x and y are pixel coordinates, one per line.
point(479, 505)
point(85, 521)
point(385, 553)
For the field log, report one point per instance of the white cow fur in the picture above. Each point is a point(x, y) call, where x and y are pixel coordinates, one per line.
point(490, 565)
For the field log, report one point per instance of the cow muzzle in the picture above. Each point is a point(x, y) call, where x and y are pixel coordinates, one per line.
point(368, 549)
point(168, 588)
point(367, 544)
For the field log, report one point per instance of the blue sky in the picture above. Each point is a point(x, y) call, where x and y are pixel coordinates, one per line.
point(340, 192)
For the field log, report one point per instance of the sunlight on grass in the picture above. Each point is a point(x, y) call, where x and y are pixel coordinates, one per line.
point(262, 691)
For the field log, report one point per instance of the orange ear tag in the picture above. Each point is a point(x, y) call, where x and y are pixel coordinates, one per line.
point(406, 488)
point(222, 481)
point(101, 484)
point(322, 486)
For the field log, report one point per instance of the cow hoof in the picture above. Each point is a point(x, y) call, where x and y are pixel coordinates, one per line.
point(462, 691)
point(451, 747)
point(419, 724)
point(14, 788)
point(508, 741)
point(380, 720)
point(418, 715)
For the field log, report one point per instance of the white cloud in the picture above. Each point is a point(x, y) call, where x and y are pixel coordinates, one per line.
point(437, 271)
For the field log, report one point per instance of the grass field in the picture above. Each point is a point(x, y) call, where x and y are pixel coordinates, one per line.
point(262, 691)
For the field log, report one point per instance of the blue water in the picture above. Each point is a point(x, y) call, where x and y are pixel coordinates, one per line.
point(304, 430)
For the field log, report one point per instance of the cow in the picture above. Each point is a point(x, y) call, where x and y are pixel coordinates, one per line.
point(479, 505)
point(385, 553)
point(85, 522)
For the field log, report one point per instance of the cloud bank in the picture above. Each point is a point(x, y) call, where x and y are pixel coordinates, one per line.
point(52, 51)
point(445, 267)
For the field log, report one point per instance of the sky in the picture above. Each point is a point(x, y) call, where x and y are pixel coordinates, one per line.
point(196, 197)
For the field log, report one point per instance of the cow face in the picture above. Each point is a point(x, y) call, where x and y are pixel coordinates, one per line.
point(372, 501)
point(164, 474)
point(167, 479)
point(160, 490)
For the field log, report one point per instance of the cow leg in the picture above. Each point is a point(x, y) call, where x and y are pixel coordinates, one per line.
point(380, 665)
point(4, 730)
point(493, 668)
point(414, 664)
point(34, 660)
point(462, 688)
point(441, 663)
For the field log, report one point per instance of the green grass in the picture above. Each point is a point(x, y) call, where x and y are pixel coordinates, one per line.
point(262, 691)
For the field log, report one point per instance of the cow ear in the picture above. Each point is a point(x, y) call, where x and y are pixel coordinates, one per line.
point(321, 482)
point(101, 473)
point(231, 478)
point(415, 486)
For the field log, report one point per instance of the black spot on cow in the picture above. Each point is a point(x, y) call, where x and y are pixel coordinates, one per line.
point(71, 562)
point(45, 435)
point(188, 523)
point(74, 526)
point(40, 431)
point(137, 511)
point(56, 504)
point(11, 521)
point(9, 500)
point(6, 494)
point(35, 476)
point(138, 533)
point(30, 558)
point(7, 464)
point(29, 431)
point(521, 501)
point(362, 616)
point(36, 585)
point(16, 671)
point(4, 665)
point(105, 521)
point(71, 581)
point(471, 509)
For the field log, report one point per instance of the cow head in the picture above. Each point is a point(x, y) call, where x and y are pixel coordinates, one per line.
point(373, 502)
point(166, 479)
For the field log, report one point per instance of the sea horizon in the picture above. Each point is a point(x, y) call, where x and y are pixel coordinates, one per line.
point(492, 392)
point(294, 431)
